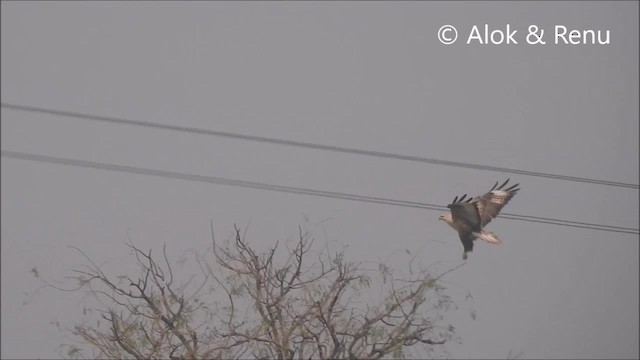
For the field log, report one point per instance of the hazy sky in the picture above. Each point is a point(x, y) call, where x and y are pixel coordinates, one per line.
point(363, 75)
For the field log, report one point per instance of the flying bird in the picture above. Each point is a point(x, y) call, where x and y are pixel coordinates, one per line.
point(469, 217)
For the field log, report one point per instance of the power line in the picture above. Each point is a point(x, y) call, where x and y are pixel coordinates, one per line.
point(295, 190)
point(371, 153)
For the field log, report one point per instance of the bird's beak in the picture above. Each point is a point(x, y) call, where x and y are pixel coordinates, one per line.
point(441, 217)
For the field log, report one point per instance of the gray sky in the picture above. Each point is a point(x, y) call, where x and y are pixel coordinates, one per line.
point(363, 75)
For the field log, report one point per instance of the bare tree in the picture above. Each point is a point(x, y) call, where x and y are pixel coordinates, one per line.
point(245, 304)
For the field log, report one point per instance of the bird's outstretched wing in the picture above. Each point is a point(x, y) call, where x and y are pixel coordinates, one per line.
point(490, 204)
point(466, 217)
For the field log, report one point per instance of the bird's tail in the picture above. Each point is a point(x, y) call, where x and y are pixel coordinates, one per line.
point(488, 237)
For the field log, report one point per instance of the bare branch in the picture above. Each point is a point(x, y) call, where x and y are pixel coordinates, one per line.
point(245, 303)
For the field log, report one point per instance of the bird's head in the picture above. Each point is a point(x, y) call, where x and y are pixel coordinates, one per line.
point(446, 218)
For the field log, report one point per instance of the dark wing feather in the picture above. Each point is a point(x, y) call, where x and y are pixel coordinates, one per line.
point(490, 204)
point(466, 220)
point(466, 217)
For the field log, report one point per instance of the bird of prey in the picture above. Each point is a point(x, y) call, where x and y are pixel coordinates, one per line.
point(469, 217)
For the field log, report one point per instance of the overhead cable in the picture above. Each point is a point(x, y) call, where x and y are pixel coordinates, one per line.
point(295, 190)
point(308, 145)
